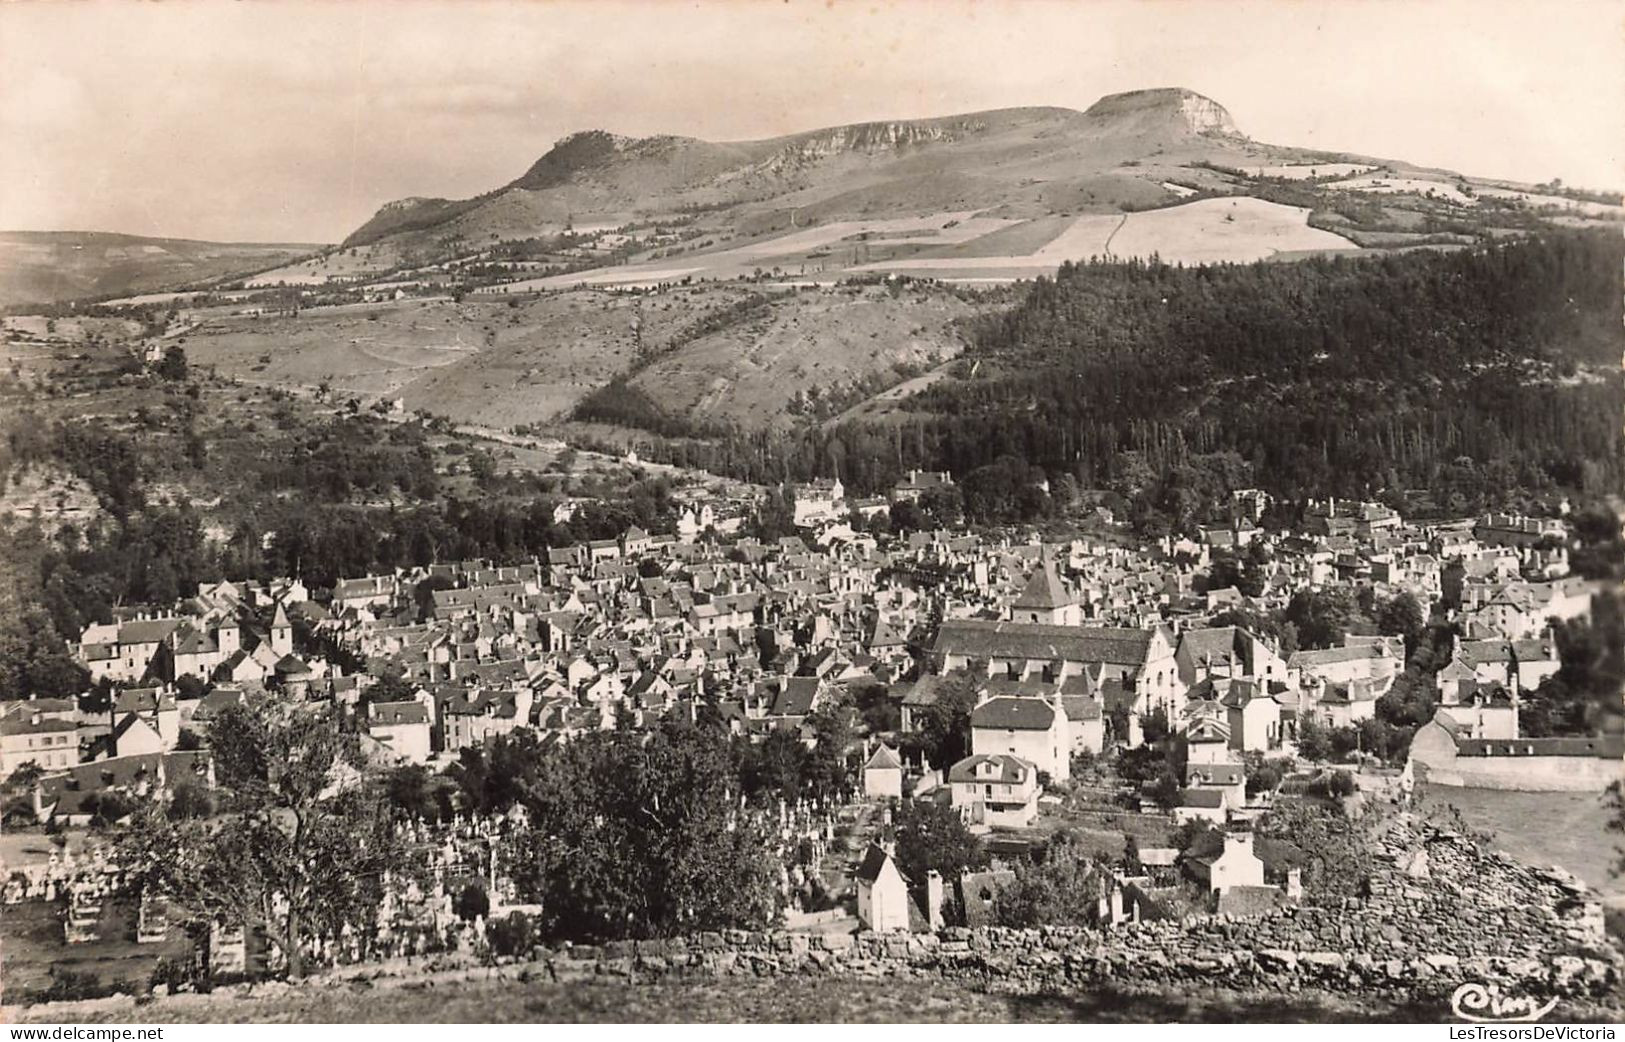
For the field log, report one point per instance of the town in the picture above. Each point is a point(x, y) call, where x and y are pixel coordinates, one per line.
point(804, 513)
point(913, 717)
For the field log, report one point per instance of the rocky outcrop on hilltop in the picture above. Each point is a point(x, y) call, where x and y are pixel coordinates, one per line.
point(587, 151)
point(867, 138)
point(1168, 109)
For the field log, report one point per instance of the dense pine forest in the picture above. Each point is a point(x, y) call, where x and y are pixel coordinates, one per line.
point(1479, 375)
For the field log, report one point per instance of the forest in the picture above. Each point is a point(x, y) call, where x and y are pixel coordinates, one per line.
point(1479, 375)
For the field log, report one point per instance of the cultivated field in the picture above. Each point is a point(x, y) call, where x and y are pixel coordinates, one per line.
point(74, 329)
point(1303, 171)
point(1535, 199)
point(1409, 185)
point(354, 262)
point(836, 244)
point(1211, 231)
point(1231, 229)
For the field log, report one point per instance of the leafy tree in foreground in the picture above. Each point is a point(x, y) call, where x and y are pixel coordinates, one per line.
point(642, 836)
point(1062, 887)
point(296, 851)
point(931, 835)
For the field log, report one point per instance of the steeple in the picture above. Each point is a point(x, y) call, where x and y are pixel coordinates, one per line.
point(1045, 599)
point(1044, 590)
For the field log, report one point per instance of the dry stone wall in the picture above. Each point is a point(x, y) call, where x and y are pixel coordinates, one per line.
point(1439, 913)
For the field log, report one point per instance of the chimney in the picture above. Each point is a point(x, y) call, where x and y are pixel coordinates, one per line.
point(933, 899)
point(1242, 841)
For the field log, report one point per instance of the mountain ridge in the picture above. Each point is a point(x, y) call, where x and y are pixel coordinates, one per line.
point(596, 170)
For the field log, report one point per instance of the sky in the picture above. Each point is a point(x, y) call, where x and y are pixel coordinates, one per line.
point(292, 121)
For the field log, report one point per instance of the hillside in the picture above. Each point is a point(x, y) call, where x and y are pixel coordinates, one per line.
point(712, 355)
point(688, 289)
point(979, 197)
point(45, 267)
point(1026, 161)
point(1476, 378)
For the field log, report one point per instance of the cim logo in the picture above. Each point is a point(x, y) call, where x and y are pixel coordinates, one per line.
point(1486, 1005)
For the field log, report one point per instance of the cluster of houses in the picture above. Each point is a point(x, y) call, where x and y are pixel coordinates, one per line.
point(1066, 648)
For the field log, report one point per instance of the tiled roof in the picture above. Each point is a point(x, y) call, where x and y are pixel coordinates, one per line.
point(978, 638)
point(1013, 714)
point(1013, 770)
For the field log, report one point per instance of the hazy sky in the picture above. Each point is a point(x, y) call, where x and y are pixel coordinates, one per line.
point(264, 120)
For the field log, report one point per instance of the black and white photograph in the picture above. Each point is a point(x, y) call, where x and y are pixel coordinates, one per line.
point(811, 512)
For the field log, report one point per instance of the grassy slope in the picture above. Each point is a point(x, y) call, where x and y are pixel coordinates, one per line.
point(1544, 828)
point(478, 362)
point(40, 267)
point(728, 1000)
point(827, 340)
point(486, 363)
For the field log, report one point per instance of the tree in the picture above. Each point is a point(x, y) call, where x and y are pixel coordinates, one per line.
point(1060, 886)
point(1154, 726)
point(1616, 823)
point(933, 836)
point(423, 594)
point(472, 903)
point(944, 725)
point(1336, 859)
point(34, 659)
point(415, 792)
point(173, 365)
point(1402, 616)
point(297, 851)
point(390, 688)
point(1323, 617)
point(637, 835)
point(776, 767)
point(828, 767)
point(1263, 779)
point(1314, 741)
point(880, 712)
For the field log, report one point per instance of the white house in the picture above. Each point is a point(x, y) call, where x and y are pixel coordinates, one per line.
point(997, 789)
point(882, 892)
point(820, 500)
point(883, 774)
point(1235, 865)
point(29, 736)
point(1031, 728)
point(403, 727)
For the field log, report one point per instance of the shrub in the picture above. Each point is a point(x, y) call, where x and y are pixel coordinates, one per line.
point(513, 936)
point(473, 903)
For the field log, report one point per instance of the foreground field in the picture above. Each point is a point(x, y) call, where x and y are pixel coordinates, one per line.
point(1569, 829)
point(731, 1000)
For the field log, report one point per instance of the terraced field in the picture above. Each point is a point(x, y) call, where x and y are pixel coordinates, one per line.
point(1234, 229)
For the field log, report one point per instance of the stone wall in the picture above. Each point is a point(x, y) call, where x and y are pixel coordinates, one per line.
point(1526, 773)
point(1439, 913)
